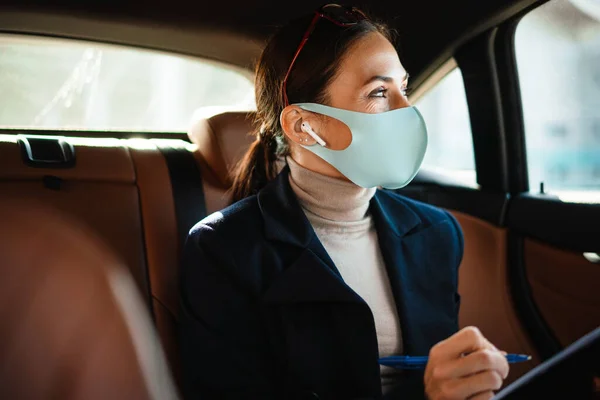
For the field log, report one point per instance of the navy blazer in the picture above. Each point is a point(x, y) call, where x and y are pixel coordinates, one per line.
point(266, 314)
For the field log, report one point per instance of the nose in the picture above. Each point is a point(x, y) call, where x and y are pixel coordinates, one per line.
point(400, 101)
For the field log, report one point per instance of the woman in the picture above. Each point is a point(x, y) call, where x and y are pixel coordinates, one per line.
point(296, 290)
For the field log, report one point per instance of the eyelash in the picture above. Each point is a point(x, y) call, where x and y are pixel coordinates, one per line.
point(381, 92)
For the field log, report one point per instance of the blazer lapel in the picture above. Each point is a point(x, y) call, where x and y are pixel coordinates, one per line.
point(411, 264)
point(406, 245)
point(334, 310)
point(310, 279)
point(312, 276)
point(390, 231)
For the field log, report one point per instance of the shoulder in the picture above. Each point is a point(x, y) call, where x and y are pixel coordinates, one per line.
point(238, 221)
point(234, 220)
point(225, 247)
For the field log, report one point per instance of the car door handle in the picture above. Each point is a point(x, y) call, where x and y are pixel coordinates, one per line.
point(592, 257)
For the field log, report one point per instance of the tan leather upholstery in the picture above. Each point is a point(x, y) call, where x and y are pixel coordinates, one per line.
point(566, 289)
point(121, 190)
point(100, 191)
point(160, 235)
point(98, 160)
point(484, 289)
point(74, 325)
point(222, 141)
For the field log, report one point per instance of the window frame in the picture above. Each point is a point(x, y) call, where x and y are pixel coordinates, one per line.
point(429, 84)
point(433, 80)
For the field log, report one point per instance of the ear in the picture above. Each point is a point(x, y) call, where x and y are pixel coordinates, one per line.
point(291, 118)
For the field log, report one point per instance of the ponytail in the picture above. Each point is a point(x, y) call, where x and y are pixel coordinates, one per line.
point(257, 167)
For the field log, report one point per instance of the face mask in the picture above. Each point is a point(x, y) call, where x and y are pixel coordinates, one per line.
point(387, 149)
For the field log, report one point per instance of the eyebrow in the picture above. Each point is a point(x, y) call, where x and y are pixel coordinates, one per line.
point(386, 79)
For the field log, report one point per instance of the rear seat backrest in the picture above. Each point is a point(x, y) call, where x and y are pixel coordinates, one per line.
point(162, 245)
point(122, 190)
point(99, 190)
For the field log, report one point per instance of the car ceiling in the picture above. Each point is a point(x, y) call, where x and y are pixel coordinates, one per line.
point(234, 31)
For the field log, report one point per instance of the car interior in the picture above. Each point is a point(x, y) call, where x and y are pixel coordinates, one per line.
point(514, 148)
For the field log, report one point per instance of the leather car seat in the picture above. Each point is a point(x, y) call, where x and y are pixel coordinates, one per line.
point(74, 324)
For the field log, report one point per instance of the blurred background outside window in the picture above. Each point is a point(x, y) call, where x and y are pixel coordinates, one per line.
point(63, 84)
point(558, 58)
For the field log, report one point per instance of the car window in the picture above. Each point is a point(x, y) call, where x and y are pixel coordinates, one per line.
point(446, 113)
point(558, 58)
point(64, 84)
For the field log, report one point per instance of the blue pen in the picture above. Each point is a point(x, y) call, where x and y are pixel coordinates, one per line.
point(419, 362)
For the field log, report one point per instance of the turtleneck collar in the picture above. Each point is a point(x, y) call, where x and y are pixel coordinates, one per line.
point(329, 198)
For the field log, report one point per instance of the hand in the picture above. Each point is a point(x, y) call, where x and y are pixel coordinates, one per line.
point(464, 366)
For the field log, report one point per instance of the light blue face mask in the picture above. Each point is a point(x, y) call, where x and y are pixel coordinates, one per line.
point(387, 149)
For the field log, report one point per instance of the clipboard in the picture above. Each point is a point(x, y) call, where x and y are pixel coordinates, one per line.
point(570, 374)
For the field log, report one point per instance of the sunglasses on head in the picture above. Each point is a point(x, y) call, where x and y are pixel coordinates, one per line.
point(340, 15)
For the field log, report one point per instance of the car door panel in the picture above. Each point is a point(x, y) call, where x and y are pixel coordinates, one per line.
point(486, 300)
point(565, 286)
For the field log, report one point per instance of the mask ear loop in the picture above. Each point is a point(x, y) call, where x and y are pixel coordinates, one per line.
point(305, 126)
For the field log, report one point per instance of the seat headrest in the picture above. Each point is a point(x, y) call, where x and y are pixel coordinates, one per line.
point(222, 141)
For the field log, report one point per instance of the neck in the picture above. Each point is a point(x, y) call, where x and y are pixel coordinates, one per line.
point(327, 197)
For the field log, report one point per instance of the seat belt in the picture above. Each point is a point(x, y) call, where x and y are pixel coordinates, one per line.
point(186, 184)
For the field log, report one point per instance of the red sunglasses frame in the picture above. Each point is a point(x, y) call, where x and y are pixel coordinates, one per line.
point(318, 15)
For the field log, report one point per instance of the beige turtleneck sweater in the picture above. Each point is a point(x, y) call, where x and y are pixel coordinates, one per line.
point(338, 211)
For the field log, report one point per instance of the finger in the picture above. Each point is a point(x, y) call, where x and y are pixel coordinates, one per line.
point(467, 340)
point(478, 361)
point(489, 345)
point(472, 385)
point(483, 396)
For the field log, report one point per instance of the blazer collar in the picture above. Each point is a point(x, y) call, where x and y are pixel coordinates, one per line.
point(285, 220)
point(313, 277)
point(392, 216)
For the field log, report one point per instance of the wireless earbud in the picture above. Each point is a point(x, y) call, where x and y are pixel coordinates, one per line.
point(305, 126)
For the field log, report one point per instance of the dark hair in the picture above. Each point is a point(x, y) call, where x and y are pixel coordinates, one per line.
point(314, 69)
